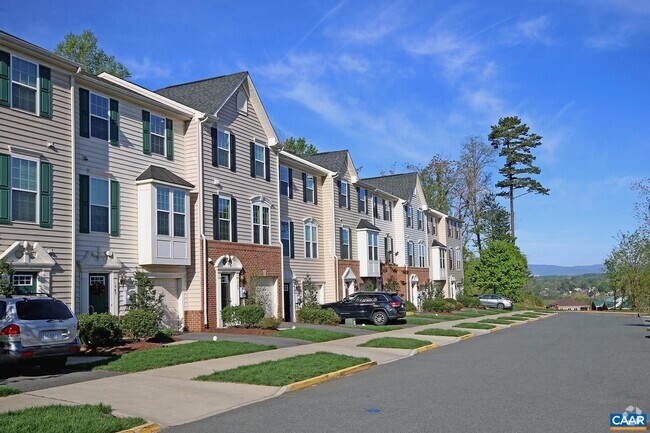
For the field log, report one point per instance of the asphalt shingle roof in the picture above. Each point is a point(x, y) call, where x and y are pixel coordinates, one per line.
point(365, 224)
point(153, 172)
point(333, 161)
point(205, 95)
point(399, 185)
point(437, 243)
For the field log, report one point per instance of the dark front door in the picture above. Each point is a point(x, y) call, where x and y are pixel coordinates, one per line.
point(98, 290)
point(225, 290)
point(288, 301)
point(24, 283)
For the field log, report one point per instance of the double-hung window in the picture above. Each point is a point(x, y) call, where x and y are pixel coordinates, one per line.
point(309, 189)
point(421, 255)
point(224, 218)
point(311, 241)
point(375, 209)
point(388, 249)
point(99, 116)
point(170, 216)
point(179, 213)
point(223, 148)
point(99, 205)
point(459, 265)
point(420, 220)
point(451, 259)
point(386, 210)
point(24, 190)
point(284, 180)
point(346, 252)
point(157, 125)
point(163, 209)
point(260, 160)
point(411, 252)
point(24, 84)
point(261, 224)
point(343, 194)
point(373, 247)
point(285, 237)
point(443, 253)
point(409, 216)
point(363, 197)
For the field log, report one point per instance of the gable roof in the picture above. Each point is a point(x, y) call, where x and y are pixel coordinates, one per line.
point(437, 243)
point(365, 224)
point(399, 185)
point(161, 174)
point(334, 161)
point(206, 95)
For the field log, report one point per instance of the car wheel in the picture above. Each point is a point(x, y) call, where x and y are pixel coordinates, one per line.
point(379, 318)
point(54, 365)
point(500, 306)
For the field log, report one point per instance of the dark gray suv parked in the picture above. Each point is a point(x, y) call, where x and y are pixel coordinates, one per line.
point(376, 307)
point(37, 329)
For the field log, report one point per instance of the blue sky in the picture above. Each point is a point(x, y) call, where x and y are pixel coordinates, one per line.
point(399, 81)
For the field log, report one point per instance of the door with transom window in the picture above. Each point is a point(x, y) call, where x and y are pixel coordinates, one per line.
point(24, 283)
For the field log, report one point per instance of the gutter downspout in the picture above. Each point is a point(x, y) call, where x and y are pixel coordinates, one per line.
point(73, 195)
point(204, 242)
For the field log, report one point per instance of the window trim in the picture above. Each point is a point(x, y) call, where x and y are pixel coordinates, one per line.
point(284, 168)
point(409, 216)
point(410, 254)
point(219, 219)
point(308, 189)
point(168, 211)
point(443, 257)
point(37, 209)
point(422, 255)
point(346, 195)
point(312, 242)
point(164, 136)
point(420, 217)
point(286, 252)
point(362, 205)
point(349, 246)
point(373, 246)
point(242, 108)
point(37, 104)
point(260, 226)
point(91, 115)
point(90, 203)
point(221, 149)
point(260, 173)
point(459, 264)
point(174, 213)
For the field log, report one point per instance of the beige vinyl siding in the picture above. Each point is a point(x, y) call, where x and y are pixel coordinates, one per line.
point(192, 300)
point(347, 218)
point(296, 210)
point(29, 132)
point(414, 234)
point(328, 236)
point(124, 163)
point(240, 184)
point(386, 227)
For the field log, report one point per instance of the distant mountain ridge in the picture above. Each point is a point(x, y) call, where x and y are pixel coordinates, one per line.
point(545, 270)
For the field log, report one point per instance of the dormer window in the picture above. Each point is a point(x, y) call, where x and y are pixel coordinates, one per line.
point(242, 102)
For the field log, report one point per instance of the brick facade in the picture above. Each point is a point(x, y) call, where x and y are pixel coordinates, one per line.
point(354, 266)
point(265, 261)
point(399, 274)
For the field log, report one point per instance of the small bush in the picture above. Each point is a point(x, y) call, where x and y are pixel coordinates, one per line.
point(268, 323)
point(469, 301)
point(318, 316)
point(438, 306)
point(99, 330)
point(454, 304)
point(410, 307)
point(140, 324)
point(242, 315)
point(164, 335)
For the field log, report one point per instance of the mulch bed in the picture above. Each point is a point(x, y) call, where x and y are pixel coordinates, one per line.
point(125, 347)
point(242, 331)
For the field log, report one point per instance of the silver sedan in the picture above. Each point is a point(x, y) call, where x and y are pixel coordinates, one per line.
point(495, 301)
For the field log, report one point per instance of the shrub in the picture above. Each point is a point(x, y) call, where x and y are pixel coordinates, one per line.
point(309, 294)
point(438, 306)
point(99, 330)
point(454, 304)
point(268, 323)
point(140, 324)
point(469, 301)
point(410, 306)
point(242, 315)
point(145, 296)
point(318, 316)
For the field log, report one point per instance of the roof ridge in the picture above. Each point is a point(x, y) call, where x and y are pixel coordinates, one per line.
point(202, 80)
point(390, 175)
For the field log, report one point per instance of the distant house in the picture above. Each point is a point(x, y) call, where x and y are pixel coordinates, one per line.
point(619, 302)
point(570, 304)
point(599, 306)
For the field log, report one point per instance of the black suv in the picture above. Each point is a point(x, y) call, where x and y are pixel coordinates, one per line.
point(377, 307)
point(36, 329)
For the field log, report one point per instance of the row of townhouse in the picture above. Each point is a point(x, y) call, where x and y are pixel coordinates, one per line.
point(100, 178)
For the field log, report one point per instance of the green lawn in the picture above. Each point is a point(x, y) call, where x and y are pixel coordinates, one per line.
point(497, 321)
point(69, 419)
point(418, 321)
point(384, 328)
point(439, 317)
point(5, 391)
point(285, 371)
point(443, 332)
point(473, 325)
point(516, 317)
point(395, 343)
point(179, 354)
point(313, 335)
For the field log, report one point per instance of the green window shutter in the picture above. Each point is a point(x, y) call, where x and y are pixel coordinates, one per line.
point(84, 203)
point(5, 62)
point(146, 133)
point(46, 195)
point(115, 208)
point(84, 113)
point(4, 189)
point(46, 91)
point(114, 123)
point(169, 123)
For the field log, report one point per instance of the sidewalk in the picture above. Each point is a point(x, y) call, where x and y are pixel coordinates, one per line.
point(169, 397)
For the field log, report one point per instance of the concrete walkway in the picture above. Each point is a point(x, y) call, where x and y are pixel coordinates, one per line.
point(169, 397)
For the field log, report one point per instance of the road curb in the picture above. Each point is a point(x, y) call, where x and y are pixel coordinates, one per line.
point(149, 427)
point(423, 349)
point(466, 337)
point(328, 376)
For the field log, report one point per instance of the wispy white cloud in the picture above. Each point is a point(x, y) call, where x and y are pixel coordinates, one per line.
point(534, 30)
point(371, 27)
point(145, 68)
point(352, 63)
point(453, 53)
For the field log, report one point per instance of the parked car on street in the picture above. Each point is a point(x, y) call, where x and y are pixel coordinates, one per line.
point(495, 301)
point(376, 307)
point(37, 330)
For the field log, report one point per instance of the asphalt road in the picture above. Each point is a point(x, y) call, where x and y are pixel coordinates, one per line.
point(561, 374)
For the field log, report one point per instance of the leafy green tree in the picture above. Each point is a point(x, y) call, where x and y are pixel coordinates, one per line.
point(145, 296)
point(6, 272)
point(628, 268)
point(83, 49)
point(309, 294)
point(494, 224)
point(502, 269)
point(299, 146)
point(515, 143)
point(439, 179)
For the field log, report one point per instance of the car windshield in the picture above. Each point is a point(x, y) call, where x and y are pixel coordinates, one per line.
point(42, 309)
